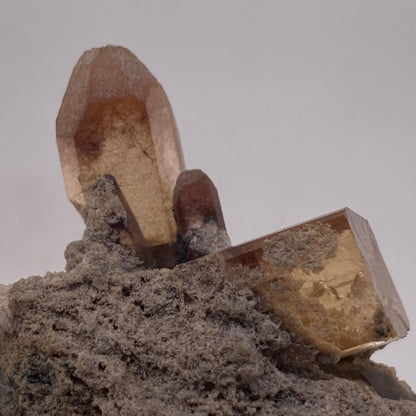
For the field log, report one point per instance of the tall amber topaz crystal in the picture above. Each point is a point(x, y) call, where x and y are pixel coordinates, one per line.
point(115, 119)
point(326, 281)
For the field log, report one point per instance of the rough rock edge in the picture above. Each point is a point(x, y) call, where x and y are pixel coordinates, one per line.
point(207, 239)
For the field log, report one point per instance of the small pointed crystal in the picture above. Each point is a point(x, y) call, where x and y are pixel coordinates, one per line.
point(196, 201)
point(198, 214)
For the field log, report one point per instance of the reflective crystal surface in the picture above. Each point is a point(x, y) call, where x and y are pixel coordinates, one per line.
point(115, 119)
point(326, 281)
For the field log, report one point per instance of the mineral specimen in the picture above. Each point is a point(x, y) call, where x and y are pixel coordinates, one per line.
point(325, 279)
point(282, 325)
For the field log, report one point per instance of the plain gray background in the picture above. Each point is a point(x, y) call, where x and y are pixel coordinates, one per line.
point(294, 109)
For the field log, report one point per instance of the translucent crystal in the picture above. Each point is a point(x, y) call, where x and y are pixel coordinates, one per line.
point(115, 119)
point(196, 201)
point(198, 214)
point(326, 281)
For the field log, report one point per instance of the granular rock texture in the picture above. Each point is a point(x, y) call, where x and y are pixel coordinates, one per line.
point(305, 247)
point(107, 337)
point(209, 238)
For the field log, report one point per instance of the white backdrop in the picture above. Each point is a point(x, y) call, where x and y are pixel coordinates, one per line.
point(294, 109)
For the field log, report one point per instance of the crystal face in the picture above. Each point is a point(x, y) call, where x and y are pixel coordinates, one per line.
point(198, 213)
point(196, 201)
point(326, 281)
point(115, 119)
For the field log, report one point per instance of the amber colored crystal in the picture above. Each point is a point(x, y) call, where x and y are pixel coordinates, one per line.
point(198, 214)
point(196, 201)
point(115, 119)
point(326, 281)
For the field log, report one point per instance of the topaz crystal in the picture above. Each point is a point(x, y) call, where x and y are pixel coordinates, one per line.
point(115, 119)
point(196, 201)
point(326, 281)
point(198, 214)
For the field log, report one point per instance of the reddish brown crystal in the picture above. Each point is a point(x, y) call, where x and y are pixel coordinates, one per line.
point(116, 119)
point(198, 214)
point(326, 281)
point(196, 201)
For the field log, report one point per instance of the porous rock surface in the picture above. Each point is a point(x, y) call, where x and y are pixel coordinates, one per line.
point(107, 337)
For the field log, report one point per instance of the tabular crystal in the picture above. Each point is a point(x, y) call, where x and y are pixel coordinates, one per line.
point(326, 281)
point(115, 119)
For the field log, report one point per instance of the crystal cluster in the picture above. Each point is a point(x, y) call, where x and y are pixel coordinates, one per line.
point(325, 280)
point(115, 119)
